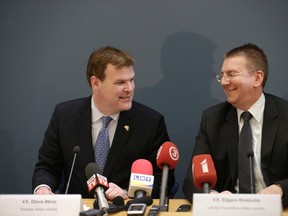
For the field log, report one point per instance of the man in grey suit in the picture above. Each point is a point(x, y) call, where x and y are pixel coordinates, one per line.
point(135, 131)
point(243, 76)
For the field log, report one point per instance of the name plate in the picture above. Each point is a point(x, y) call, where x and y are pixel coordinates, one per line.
point(44, 205)
point(236, 205)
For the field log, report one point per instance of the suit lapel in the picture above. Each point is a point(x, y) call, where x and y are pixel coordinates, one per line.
point(123, 130)
point(270, 124)
point(231, 136)
point(84, 130)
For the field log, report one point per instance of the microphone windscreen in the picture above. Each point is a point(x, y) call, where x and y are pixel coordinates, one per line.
point(168, 154)
point(203, 170)
point(118, 201)
point(91, 169)
point(142, 166)
point(76, 149)
point(146, 199)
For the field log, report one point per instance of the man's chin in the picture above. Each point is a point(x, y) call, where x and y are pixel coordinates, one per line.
point(126, 107)
point(229, 100)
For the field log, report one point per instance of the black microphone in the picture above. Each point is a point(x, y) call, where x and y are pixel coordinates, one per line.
point(91, 212)
point(96, 212)
point(145, 200)
point(117, 201)
point(250, 155)
point(98, 184)
point(76, 151)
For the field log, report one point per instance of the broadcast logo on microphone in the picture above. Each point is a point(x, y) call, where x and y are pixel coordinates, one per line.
point(173, 151)
point(167, 154)
point(93, 181)
point(142, 180)
point(97, 184)
point(204, 166)
point(203, 171)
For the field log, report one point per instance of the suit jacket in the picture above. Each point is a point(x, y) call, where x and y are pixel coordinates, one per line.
point(70, 126)
point(218, 136)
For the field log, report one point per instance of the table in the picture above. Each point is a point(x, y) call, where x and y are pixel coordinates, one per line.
point(173, 205)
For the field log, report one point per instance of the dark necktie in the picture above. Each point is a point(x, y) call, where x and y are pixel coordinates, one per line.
point(102, 145)
point(245, 150)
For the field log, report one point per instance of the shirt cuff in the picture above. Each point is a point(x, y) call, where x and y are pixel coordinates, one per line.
point(42, 185)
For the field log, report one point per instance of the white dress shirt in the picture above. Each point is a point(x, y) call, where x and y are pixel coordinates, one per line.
point(96, 123)
point(256, 123)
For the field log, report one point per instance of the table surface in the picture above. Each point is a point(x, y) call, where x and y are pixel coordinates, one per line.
point(173, 205)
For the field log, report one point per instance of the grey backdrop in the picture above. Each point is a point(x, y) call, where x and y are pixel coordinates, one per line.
point(178, 46)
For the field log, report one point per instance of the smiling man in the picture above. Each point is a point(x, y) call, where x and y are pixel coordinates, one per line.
point(134, 132)
point(243, 77)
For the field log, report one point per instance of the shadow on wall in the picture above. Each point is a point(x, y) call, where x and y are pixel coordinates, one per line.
point(184, 92)
point(7, 166)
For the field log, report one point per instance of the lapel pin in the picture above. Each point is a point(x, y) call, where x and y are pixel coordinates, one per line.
point(126, 127)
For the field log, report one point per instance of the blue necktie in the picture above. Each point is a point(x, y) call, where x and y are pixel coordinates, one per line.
point(102, 145)
point(245, 149)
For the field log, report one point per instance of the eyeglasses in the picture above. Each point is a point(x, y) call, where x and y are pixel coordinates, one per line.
point(230, 75)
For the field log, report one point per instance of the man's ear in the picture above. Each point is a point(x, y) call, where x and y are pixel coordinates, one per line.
point(94, 81)
point(259, 77)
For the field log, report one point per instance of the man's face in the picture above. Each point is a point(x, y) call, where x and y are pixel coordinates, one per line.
point(240, 84)
point(115, 92)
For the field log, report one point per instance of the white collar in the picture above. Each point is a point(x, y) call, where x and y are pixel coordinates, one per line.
point(256, 109)
point(97, 114)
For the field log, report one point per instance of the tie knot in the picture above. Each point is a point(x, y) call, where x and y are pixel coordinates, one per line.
point(105, 121)
point(246, 116)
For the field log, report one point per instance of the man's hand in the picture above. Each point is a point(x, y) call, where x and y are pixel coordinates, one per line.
point(43, 191)
point(272, 189)
point(226, 192)
point(114, 190)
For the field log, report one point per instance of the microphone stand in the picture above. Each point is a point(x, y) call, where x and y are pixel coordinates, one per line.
point(163, 201)
point(206, 188)
point(70, 175)
point(250, 155)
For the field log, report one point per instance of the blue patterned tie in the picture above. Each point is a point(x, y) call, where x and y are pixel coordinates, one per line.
point(102, 145)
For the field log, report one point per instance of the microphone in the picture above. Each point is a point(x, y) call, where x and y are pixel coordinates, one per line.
point(167, 158)
point(146, 199)
point(141, 179)
point(117, 201)
point(96, 212)
point(203, 171)
point(250, 155)
point(98, 183)
point(143, 200)
point(76, 151)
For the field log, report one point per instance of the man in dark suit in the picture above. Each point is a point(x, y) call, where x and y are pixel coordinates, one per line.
point(243, 77)
point(135, 131)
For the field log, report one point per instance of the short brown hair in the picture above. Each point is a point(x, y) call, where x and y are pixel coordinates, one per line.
point(103, 56)
point(256, 57)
